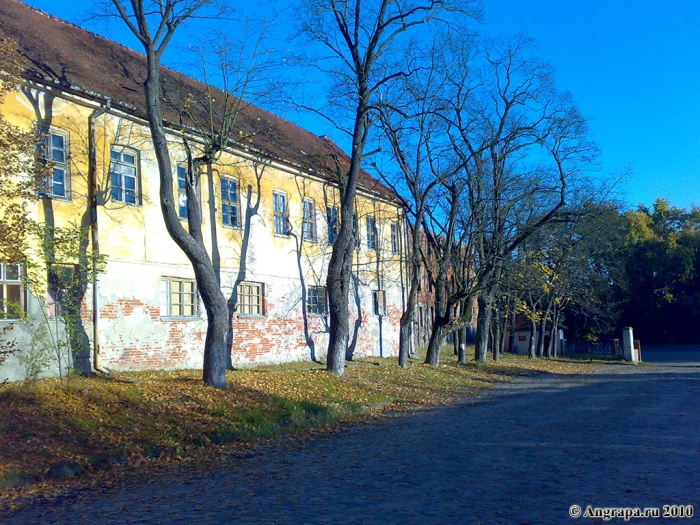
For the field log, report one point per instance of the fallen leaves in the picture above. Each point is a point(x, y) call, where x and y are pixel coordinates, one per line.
point(52, 430)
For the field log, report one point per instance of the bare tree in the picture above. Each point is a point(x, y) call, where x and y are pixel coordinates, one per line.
point(521, 144)
point(412, 129)
point(355, 42)
point(154, 23)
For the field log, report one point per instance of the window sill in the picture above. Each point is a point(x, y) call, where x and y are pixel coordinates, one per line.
point(229, 227)
point(282, 235)
point(53, 197)
point(120, 203)
point(251, 316)
point(171, 318)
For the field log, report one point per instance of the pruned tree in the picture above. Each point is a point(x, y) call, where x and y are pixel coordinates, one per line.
point(355, 43)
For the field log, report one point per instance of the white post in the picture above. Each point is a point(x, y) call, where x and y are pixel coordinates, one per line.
point(628, 344)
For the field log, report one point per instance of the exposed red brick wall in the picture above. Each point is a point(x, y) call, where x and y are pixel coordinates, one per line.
point(270, 338)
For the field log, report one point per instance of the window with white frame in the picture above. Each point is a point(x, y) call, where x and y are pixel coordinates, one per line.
point(12, 296)
point(250, 298)
point(54, 148)
point(371, 233)
point(333, 223)
point(123, 172)
point(308, 219)
point(394, 238)
point(229, 202)
point(379, 300)
point(182, 192)
point(281, 213)
point(178, 297)
point(316, 302)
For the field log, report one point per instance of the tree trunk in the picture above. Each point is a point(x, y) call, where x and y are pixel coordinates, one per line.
point(532, 349)
point(437, 337)
point(214, 369)
point(504, 334)
point(462, 337)
point(511, 336)
point(496, 338)
point(338, 284)
point(543, 330)
point(483, 323)
point(407, 316)
point(340, 265)
point(404, 342)
point(442, 317)
point(551, 348)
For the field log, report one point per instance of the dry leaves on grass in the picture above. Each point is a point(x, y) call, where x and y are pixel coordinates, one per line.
point(51, 430)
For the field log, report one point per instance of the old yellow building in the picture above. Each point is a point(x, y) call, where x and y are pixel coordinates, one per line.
point(274, 187)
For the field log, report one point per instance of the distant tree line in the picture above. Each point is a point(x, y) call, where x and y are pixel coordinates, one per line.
point(661, 296)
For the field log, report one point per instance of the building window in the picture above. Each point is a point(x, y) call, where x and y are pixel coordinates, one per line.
point(281, 212)
point(55, 149)
point(60, 283)
point(229, 202)
point(379, 299)
point(182, 192)
point(394, 238)
point(12, 298)
point(308, 219)
point(316, 302)
point(371, 233)
point(333, 223)
point(178, 297)
point(124, 176)
point(250, 298)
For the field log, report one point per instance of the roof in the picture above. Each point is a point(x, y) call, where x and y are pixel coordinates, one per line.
point(60, 53)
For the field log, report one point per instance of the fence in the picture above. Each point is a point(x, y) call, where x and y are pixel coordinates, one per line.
point(589, 347)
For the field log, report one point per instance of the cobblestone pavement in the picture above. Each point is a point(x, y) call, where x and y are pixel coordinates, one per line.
point(521, 453)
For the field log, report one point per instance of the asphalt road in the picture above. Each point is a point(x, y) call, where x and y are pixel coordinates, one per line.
point(686, 355)
point(523, 453)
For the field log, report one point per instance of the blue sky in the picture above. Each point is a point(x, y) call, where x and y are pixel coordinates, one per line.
point(633, 66)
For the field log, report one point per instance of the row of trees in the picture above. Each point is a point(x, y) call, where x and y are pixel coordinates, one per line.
point(599, 267)
point(472, 133)
point(488, 154)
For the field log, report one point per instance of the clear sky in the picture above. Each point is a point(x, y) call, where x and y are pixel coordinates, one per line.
point(633, 66)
